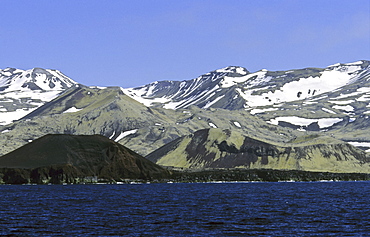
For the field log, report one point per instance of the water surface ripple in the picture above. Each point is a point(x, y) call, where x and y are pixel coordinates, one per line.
point(212, 209)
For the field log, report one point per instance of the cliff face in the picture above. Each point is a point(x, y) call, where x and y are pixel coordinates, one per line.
point(216, 148)
point(71, 158)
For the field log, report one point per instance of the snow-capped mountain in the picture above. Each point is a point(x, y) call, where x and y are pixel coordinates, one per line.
point(268, 92)
point(334, 100)
point(22, 91)
point(204, 91)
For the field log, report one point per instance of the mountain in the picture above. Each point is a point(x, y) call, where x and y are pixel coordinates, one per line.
point(235, 88)
point(111, 113)
point(71, 158)
point(217, 148)
point(22, 91)
point(333, 99)
point(149, 117)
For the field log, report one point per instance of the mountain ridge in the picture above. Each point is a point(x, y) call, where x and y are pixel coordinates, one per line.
point(211, 101)
point(175, 94)
point(309, 99)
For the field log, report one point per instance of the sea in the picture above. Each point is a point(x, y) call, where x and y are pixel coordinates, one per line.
point(187, 209)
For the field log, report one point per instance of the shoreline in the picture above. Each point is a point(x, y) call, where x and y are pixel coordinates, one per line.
point(23, 177)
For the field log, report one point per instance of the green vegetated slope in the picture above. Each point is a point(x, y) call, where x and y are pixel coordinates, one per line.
point(72, 158)
point(217, 148)
point(110, 113)
point(96, 111)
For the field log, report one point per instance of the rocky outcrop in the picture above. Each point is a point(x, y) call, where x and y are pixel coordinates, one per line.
point(76, 159)
point(216, 148)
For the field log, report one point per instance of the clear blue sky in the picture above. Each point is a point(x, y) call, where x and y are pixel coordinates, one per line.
point(134, 42)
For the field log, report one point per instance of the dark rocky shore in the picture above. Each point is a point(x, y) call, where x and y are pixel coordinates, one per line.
point(68, 175)
point(264, 175)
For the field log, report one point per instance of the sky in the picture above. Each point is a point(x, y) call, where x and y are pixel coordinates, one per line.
point(129, 43)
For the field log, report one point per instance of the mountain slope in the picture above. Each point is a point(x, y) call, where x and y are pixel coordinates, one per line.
point(312, 99)
point(203, 91)
point(111, 113)
point(22, 91)
point(220, 88)
point(216, 148)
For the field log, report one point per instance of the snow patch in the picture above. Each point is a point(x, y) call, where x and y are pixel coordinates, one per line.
point(138, 95)
point(323, 123)
point(98, 87)
point(9, 117)
point(238, 70)
point(209, 104)
point(114, 133)
point(237, 124)
point(355, 63)
point(71, 110)
point(231, 81)
point(258, 111)
point(328, 110)
point(360, 144)
point(328, 122)
point(241, 71)
point(125, 134)
point(212, 125)
point(341, 102)
point(347, 108)
point(334, 65)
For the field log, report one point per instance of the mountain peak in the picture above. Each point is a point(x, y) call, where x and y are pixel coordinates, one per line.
point(233, 71)
point(12, 79)
point(36, 86)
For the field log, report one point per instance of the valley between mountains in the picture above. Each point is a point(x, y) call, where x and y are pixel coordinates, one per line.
point(311, 119)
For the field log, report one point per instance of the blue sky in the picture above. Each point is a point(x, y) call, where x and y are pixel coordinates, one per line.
point(134, 42)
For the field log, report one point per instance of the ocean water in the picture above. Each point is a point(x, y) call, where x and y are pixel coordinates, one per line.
point(185, 209)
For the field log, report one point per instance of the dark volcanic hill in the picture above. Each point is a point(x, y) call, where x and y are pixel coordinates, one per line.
point(74, 157)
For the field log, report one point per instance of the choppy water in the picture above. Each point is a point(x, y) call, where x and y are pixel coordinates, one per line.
point(213, 209)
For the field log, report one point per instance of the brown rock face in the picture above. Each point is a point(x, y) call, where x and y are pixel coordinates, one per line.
point(69, 158)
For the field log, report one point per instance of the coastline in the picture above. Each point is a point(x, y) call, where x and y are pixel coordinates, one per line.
point(24, 176)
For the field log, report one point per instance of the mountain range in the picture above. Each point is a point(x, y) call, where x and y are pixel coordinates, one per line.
point(322, 107)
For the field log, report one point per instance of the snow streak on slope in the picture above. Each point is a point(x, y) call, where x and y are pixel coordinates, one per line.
point(203, 90)
point(22, 91)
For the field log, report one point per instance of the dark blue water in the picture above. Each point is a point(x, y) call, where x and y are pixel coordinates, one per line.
point(222, 209)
